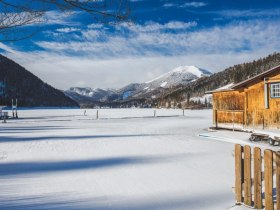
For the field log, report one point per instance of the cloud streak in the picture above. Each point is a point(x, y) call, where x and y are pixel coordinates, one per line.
point(251, 13)
point(195, 4)
point(154, 39)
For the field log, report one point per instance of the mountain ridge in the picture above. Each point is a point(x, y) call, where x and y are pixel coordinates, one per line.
point(176, 77)
point(31, 91)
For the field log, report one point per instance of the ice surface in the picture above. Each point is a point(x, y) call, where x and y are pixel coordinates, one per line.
point(126, 160)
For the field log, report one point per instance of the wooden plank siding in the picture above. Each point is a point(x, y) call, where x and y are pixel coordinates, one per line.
point(249, 106)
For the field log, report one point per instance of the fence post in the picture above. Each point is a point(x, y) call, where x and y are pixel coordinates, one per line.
point(216, 118)
point(254, 116)
point(238, 173)
point(257, 178)
point(247, 176)
point(263, 122)
point(183, 112)
point(97, 115)
point(154, 113)
point(268, 181)
point(233, 120)
point(277, 180)
point(4, 118)
point(243, 119)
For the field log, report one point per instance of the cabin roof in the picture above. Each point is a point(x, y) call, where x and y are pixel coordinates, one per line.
point(247, 81)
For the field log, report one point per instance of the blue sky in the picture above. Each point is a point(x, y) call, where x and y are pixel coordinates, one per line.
point(75, 50)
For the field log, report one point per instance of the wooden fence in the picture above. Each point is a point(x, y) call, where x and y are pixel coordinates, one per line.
point(257, 177)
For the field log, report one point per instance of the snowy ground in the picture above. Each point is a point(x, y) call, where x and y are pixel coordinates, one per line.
point(126, 160)
point(238, 137)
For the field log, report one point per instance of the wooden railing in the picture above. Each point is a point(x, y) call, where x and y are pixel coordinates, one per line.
point(253, 186)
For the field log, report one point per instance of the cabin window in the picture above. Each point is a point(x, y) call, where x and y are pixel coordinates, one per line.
point(275, 90)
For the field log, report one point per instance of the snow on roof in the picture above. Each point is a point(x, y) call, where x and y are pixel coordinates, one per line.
point(226, 87)
point(223, 88)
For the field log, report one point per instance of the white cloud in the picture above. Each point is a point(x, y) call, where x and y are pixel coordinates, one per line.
point(157, 27)
point(67, 30)
point(55, 17)
point(95, 26)
point(154, 39)
point(195, 4)
point(169, 5)
point(247, 13)
point(146, 52)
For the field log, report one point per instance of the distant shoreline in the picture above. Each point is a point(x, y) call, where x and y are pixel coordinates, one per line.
point(36, 108)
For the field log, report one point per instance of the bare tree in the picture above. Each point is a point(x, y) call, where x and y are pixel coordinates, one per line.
point(16, 18)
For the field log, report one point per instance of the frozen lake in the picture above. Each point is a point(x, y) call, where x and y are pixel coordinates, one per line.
point(126, 160)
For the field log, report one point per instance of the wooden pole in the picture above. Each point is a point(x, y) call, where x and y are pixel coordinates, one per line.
point(154, 113)
point(216, 118)
point(4, 120)
point(183, 112)
point(263, 121)
point(277, 180)
point(247, 176)
point(97, 115)
point(243, 119)
point(238, 173)
point(233, 114)
point(268, 179)
point(257, 178)
point(254, 113)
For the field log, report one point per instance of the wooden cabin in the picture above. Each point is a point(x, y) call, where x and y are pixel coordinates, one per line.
point(251, 104)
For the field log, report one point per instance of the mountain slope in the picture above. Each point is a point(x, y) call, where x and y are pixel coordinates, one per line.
point(87, 95)
point(17, 82)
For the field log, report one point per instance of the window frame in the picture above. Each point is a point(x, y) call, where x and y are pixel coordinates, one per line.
point(271, 90)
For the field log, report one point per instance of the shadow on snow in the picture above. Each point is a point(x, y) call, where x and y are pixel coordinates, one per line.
point(5, 139)
point(32, 167)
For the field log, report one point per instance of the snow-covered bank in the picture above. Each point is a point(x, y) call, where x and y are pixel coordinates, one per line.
point(61, 159)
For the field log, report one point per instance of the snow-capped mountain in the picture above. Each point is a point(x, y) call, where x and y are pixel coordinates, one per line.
point(88, 94)
point(179, 76)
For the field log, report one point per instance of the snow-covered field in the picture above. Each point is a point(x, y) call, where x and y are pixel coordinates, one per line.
point(126, 160)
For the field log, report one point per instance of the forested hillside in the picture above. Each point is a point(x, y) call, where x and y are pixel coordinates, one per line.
point(17, 82)
point(234, 74)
